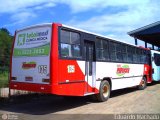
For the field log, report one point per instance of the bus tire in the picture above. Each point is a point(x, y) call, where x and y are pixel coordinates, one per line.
point(143, 84)
point(104, 91)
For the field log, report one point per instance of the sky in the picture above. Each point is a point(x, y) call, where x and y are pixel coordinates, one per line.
point(111, 18)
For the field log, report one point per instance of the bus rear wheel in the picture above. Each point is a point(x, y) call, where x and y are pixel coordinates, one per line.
point(104, 92)
point(143, 84)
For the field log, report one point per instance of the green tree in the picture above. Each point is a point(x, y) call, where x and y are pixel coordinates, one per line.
point(5, 47)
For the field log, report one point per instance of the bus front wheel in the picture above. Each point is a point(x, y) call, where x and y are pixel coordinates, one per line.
point(104, 91)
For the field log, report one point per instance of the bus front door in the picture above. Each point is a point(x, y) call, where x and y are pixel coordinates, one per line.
point(90, 66)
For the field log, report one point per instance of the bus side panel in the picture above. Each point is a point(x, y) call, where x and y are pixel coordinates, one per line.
point(70, 89)
point(58, 71)
point(66, 76)
point(71, 79)
point(69, 71)
point(122, 75)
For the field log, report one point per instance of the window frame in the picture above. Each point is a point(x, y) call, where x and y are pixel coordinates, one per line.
point(59, 44)
point(102, 49)
point(82, 58)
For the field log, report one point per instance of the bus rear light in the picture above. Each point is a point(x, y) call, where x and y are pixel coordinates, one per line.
point(13, 78)
point(28, 78)
point(145, 69)
point(45, 80)
point(42, 88)
point(67, 81)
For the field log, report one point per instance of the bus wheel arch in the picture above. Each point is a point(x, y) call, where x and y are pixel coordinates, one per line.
point(143, 83)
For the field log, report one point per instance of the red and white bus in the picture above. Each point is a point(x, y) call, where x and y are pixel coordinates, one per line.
point(58, 59)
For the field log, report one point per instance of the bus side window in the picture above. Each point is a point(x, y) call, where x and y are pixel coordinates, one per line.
point(65, 50)
point(135, 56)
point(70, 44)
point(112, 50)
point(124, 52)
point(119, 56)
point(102, 50)
point(142, 57)
point(106, 52)
point(129, 54)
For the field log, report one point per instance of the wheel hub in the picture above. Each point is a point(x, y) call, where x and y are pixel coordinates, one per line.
point(105, 91)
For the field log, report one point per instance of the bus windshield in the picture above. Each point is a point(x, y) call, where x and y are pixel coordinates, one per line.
point(157, 59)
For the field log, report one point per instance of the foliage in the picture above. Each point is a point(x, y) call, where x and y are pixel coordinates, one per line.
point(3, 79)
point(5, 48)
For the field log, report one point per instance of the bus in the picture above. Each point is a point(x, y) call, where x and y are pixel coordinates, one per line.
point(62, 60)
point(155, 58)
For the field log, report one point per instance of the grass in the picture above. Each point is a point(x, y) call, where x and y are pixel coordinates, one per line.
point(4, 79)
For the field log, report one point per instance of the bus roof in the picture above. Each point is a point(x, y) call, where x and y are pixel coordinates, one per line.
point(81, 30)
point(33, 26)
point(98, 35)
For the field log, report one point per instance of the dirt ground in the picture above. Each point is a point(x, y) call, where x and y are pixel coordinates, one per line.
point(125, 101)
